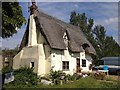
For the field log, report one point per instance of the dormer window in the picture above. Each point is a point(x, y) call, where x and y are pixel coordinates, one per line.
point(65, 37)
point(85, 45)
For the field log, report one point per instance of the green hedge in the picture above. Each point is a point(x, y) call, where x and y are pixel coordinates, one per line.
point(24, 77)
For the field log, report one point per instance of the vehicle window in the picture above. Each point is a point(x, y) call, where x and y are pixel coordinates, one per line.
point(101, 62)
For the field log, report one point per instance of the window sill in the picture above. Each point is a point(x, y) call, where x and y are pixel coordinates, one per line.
point(65, 70)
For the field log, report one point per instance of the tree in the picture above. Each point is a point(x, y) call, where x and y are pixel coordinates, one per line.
point(103, 44)
point(12, 18)
point(84, 24)
point(112, 48)
point(8, 54)
point(100, 36)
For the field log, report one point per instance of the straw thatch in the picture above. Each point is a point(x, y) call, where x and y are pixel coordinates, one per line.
point(53, 31)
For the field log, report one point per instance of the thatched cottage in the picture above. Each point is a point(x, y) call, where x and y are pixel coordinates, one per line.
point(49, 43)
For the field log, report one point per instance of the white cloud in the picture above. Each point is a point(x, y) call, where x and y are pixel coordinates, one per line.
point(111, 20)
point(76, 5)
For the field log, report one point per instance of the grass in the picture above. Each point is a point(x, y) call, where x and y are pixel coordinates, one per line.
point(87, 82)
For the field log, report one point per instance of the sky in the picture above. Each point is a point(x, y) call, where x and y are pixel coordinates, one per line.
point(103, 13)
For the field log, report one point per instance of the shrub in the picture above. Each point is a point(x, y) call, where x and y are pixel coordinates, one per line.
point(70, 77)
point(56, 76)
point(24, 77)
point(77, 76)
point(99, 75)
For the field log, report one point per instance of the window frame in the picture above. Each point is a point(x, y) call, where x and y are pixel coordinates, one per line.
point(83, 64)
point(65, 65)
point(32, 64)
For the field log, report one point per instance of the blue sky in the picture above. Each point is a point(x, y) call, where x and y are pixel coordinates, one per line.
point(103, 13)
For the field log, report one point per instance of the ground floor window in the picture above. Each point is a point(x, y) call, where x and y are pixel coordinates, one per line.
point(83, 63)
point(32, 65)
point(65, 65)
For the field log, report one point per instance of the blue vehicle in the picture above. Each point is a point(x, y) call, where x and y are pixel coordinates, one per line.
point(113, 64)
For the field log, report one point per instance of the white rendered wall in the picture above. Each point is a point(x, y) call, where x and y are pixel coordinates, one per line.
point(31, 54)
point(32, 40)
point(88, 62)
point(59, 56)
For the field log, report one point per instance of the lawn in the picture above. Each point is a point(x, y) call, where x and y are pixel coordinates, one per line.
point(86, 82)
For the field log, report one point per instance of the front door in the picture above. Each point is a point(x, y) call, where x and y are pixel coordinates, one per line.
point(77, 65)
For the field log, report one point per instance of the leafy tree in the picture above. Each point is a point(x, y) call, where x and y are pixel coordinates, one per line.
point(9, 54)
point(103, 44)
point(111, 47)
point(12, 18)
point(100, 36)
point(84, 24)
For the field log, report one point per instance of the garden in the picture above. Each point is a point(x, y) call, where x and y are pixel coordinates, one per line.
point(26, 78)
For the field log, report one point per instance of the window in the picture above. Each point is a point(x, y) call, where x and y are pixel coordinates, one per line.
point(65, 65)
point(101, 62)
point(65, 39)
point(32, 65)
point(85, 45)
point(83, 63)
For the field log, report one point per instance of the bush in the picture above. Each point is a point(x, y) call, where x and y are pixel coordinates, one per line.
point(70, 77)
point(56, 76)
point(77, 76)
point(24, 77)
point(99, 75)
point(7, 69)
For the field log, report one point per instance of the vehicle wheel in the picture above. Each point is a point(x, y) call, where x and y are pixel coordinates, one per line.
point(118, 72)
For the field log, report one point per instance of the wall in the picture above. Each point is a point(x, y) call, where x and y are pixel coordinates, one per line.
point(44, 59)
point(64, 55)
point(25, 57)
point(88, 62)
point(17, 60)
point(34, 54)
point(44, 54)
point(47, 58)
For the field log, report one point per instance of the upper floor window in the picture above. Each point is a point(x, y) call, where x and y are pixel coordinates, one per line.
point(85, 45)
point(65, 37)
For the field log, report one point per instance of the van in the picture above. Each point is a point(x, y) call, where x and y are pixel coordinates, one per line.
point(113, 64)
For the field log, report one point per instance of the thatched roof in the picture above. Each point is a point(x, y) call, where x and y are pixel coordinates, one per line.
point(54, 29)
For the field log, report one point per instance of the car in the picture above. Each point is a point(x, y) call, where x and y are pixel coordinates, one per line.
point(113, 64)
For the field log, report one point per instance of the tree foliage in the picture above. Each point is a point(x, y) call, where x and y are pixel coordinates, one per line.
point(12, 18)
point(103, 44)
point(11, 52)
point(84, 24)
point(106, 45)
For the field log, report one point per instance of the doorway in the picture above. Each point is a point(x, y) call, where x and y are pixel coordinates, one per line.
point(78, 65)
